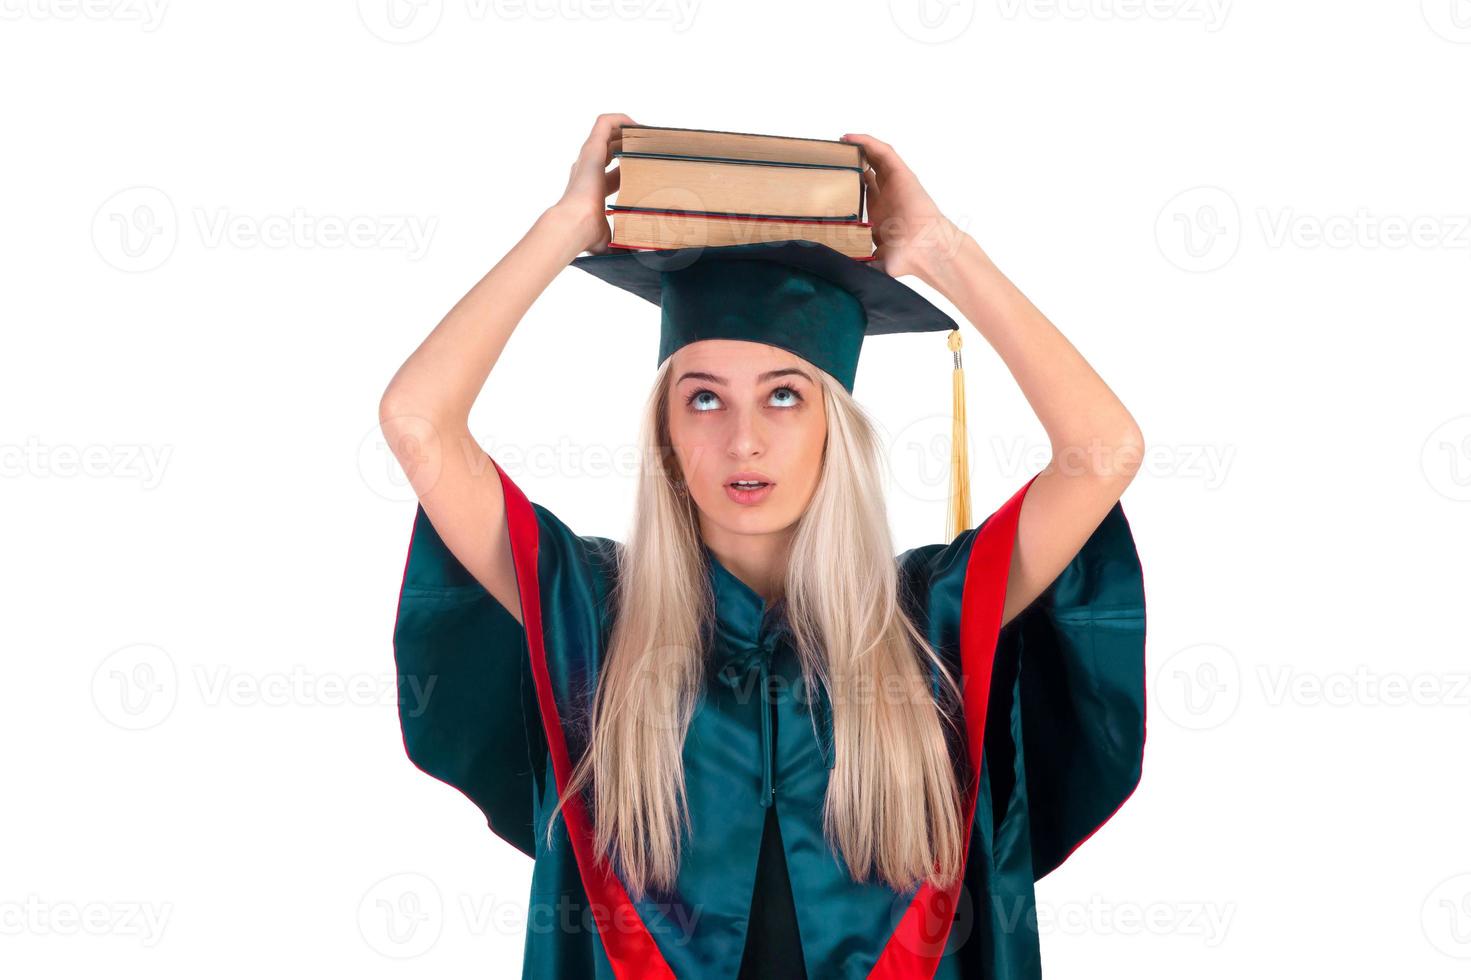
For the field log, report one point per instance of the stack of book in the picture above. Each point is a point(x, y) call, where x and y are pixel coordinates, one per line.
point(702, 187)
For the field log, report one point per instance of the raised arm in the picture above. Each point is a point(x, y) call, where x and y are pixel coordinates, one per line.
point(425, 410)
point(1096, 444)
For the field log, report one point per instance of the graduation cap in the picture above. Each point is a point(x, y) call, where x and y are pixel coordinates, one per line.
point(801, 296)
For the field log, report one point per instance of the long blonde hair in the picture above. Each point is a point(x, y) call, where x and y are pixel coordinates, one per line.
point(893, 805)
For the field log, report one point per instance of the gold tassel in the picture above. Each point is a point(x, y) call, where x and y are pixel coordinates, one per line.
point(958, 517)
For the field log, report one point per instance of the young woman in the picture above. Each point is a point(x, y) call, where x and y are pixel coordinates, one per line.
point(745, 742)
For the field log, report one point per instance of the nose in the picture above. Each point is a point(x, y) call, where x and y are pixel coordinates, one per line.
point(747, 437)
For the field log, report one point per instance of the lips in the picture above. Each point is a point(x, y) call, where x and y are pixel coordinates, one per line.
point(748, 480)
point(748, 487)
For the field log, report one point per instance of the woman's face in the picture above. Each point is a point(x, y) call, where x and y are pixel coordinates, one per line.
point(738, 411)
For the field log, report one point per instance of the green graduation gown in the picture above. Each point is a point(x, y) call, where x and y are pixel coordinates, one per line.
point(1053, 706)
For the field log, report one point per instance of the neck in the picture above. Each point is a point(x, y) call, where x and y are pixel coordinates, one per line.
point(758, 560)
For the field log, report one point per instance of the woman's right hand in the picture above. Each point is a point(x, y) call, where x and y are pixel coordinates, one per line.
point(590, 182)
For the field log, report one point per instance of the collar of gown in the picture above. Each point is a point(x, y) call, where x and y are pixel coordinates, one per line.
point(747, 628)
point(747, 631)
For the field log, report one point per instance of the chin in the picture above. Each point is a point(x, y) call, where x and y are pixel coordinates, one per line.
point(761, 518)
point(755, 520)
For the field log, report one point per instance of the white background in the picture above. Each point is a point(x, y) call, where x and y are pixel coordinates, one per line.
point(1251, 218)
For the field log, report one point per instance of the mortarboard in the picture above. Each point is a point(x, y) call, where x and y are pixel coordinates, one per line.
point(801, 296)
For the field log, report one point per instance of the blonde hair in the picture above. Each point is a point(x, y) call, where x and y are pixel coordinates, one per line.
point(893, 805)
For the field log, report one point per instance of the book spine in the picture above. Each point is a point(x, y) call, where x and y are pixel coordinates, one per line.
point(650, 248)
point(732, 132)
point(752, 163)
point(726, 215)
point(813, 219)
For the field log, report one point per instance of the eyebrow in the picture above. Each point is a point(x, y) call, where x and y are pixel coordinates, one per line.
point(764, 376)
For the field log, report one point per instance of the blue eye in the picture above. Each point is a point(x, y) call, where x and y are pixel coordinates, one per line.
point(695, 400)
point(795, 398)
point(705, 400)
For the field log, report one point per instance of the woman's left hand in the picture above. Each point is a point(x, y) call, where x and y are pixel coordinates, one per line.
point(910, 233)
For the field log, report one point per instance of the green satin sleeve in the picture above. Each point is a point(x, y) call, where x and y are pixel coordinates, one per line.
point(1064, 739)
point(1068, 700)
point(467, 705)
